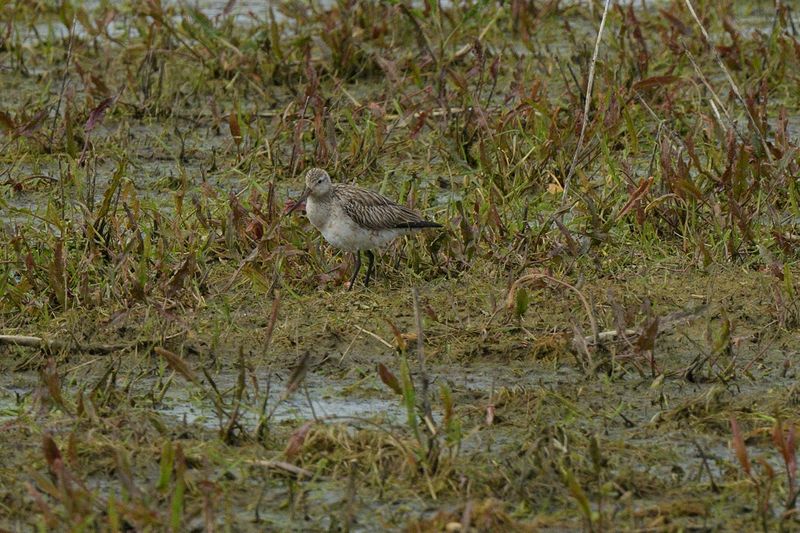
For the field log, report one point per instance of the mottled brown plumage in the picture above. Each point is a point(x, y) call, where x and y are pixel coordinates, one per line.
point(374, 211)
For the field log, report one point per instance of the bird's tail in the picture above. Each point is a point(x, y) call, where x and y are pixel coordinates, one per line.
point(419, 224)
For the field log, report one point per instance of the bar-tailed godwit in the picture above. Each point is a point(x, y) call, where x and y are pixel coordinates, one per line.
point(355, 219)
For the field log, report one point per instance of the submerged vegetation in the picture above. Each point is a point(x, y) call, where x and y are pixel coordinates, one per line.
point(602, 337)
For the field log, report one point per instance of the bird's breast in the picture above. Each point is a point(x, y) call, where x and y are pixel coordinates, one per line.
point(317, 213)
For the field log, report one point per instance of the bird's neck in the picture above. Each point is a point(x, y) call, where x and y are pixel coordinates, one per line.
point(324, 198)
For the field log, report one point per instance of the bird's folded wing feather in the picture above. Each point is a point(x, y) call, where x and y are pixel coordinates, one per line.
point(375, 211)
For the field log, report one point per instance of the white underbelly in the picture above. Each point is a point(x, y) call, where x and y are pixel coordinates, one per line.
point(348, 236)
point(342, 232)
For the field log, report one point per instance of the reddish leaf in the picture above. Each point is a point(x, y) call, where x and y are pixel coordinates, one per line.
point(186, 270)
point(767, 468)
point(431, 313)
point(273, 318)
point(777, 438)
point(96, 115)
point(641, 190)
point(289, 206)
point(389, 379)
point(177, 363)
point(655, 81)
point(647, 339)
point(298, 374)
point(99, 84)
point(254, 229)
point(494, 69)
point(786, 445)
point(675, 21)
point(56, 273)
point(399, 338)
point(418, 126)
point(236, 132)
point(238, 211)
point(739, 447)
point(51, 380)
point(228, 8)
point(297, 439)
point(50, 449)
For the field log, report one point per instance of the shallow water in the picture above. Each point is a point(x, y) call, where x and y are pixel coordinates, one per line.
point(318, 398)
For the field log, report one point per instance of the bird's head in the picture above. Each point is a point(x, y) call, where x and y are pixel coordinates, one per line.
point(318, 185)
point(318, 182)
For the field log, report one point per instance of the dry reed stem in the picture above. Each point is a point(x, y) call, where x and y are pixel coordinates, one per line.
point(54, 345)
point(728, 76)
point(283, 466)
point(589, 85)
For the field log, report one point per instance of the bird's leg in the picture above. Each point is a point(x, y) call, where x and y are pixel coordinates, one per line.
point(356, 268)
point(371, 263)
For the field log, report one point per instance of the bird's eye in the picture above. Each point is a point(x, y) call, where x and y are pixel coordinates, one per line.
point(319, 180)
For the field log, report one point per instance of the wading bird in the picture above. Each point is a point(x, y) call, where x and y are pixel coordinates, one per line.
point(355, 219)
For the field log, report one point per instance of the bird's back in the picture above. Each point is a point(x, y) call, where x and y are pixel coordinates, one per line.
point(376, 212)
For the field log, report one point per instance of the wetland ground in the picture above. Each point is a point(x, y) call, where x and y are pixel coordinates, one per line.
point(177, 355)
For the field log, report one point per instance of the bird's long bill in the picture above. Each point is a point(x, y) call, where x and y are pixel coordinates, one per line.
point(299, 201)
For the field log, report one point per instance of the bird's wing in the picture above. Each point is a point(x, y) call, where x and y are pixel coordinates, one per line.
point(375, 211)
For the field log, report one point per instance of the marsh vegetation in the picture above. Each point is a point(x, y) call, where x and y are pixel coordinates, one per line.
point(603, 336)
